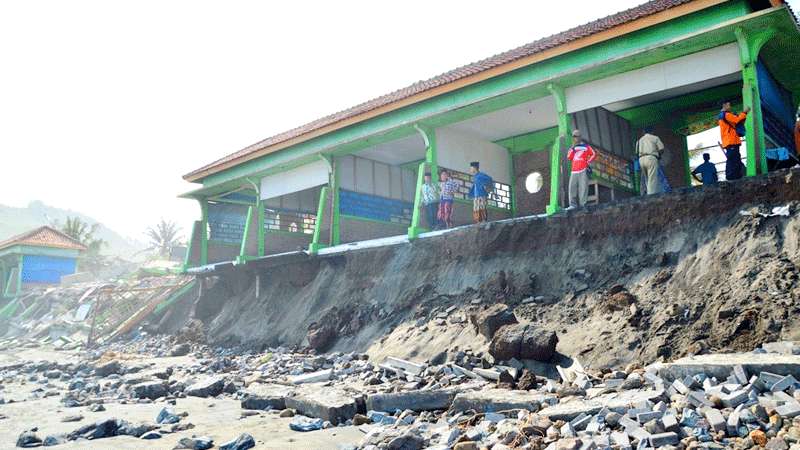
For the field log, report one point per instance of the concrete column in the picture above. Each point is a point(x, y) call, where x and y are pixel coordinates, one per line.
point(558, 147)
point(750, 44)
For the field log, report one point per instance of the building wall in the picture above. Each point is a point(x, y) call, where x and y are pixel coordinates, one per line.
point(40, 269)
point(525, 164)
point(219, 252)
point(353, 230)
point(455, 150)
point(284, 242)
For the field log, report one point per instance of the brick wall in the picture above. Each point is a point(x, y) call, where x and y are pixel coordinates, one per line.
point(352, 230)
point(673, 160)
point(219, 252)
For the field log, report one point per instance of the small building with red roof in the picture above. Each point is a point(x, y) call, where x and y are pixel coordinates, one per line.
point(37, 257)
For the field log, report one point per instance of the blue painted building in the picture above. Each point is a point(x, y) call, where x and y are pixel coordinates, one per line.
point(38, 257)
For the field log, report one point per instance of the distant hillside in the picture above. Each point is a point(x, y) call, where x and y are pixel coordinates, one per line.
point(18, 220)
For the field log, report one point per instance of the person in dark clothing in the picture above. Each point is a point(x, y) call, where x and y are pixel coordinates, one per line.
point(707, 170)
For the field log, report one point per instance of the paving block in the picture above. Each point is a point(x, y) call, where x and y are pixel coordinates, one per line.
point(715, 419)
point(670, 422)
point(783, 384)
point(791, 409)
point(619, 402)
point(265, 396)
point(567, 431)
point(662, 439)
point(680, 387)
point(735, 398)
point(621, 439)
point(733, 423)
point(644, 417)
point(698, 399)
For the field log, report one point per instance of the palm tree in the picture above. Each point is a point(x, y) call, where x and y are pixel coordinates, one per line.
point(163, 237)
point(82, 232)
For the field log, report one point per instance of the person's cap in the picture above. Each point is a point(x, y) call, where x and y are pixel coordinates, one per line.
point(576, 133)
point(475, 164)
point(427, 174)
point(648, 130)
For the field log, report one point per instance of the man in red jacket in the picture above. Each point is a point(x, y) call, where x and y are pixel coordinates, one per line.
point(581, 154)
point(797, 132)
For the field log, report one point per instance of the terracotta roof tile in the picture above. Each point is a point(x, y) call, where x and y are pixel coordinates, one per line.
point(499, 59)
point(44, 237)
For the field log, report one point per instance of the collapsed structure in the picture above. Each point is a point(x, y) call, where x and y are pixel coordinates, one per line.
point(356, 174)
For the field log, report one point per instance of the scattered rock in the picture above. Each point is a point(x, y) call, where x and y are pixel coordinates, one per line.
point(243, 442)
point(523, 341)
point(488, 321)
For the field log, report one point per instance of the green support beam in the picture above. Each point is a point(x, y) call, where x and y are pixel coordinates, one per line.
point(414, 230)
point(750, 44)
point(203, 232)
point(555, 152)
point(261, 231)
point(513, 177)
point(316, 245)
point(242, 258)
point(336, 221)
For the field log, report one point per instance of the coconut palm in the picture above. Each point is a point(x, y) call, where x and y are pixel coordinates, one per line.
point(163, 237)
point(84, 233)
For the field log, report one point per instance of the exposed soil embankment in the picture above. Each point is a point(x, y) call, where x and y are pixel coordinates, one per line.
point(634, 281)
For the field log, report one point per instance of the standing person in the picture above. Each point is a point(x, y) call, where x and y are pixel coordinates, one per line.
point(649, 149)
point(448, 189)
point(430, 201)
point(482, 185)
point(581, 154)
point(731, 132)
point(707, 170)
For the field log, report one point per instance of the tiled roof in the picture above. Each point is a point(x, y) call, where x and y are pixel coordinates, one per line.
point(44, 237)
point(597, 26)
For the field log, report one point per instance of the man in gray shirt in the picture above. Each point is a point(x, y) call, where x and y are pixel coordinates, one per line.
point(649, 149)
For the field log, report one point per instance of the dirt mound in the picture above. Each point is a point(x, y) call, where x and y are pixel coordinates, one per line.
point(649, 278)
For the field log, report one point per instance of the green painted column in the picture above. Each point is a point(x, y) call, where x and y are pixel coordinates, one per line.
point(261, 231)
point(245, 236)
point(203, 232)
point(432, 164)
point(513, 178)
point(335, 219)
point(750, 44)
point(555, 152)
point(414, 230)
point(187, 259)
point(316, 245)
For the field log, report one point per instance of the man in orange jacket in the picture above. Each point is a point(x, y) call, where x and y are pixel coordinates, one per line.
point(731, 141)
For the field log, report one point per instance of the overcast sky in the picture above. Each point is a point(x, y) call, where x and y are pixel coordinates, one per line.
point(104, 105)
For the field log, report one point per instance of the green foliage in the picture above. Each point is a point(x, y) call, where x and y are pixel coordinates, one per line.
point(84, 233)
point(163, 237)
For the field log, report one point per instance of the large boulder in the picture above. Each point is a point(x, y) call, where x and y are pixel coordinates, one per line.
point(108, 368)
point(489, 320)
point(149, 389)
point(523, 341)
point(321, 335)
point(210, 387)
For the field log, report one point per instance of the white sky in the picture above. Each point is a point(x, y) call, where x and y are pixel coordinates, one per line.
point(105, 104)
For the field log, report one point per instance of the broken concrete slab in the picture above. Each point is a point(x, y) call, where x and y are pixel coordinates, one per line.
point(262, 396)
point(408, 366)
point(491, 400)
point(329, 403)
point(313, 377)
point(430, 400)
point(619, 402)
point(722, 365)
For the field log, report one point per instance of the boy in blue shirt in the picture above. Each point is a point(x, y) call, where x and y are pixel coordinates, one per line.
point(707, 170)
point(482, 185)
